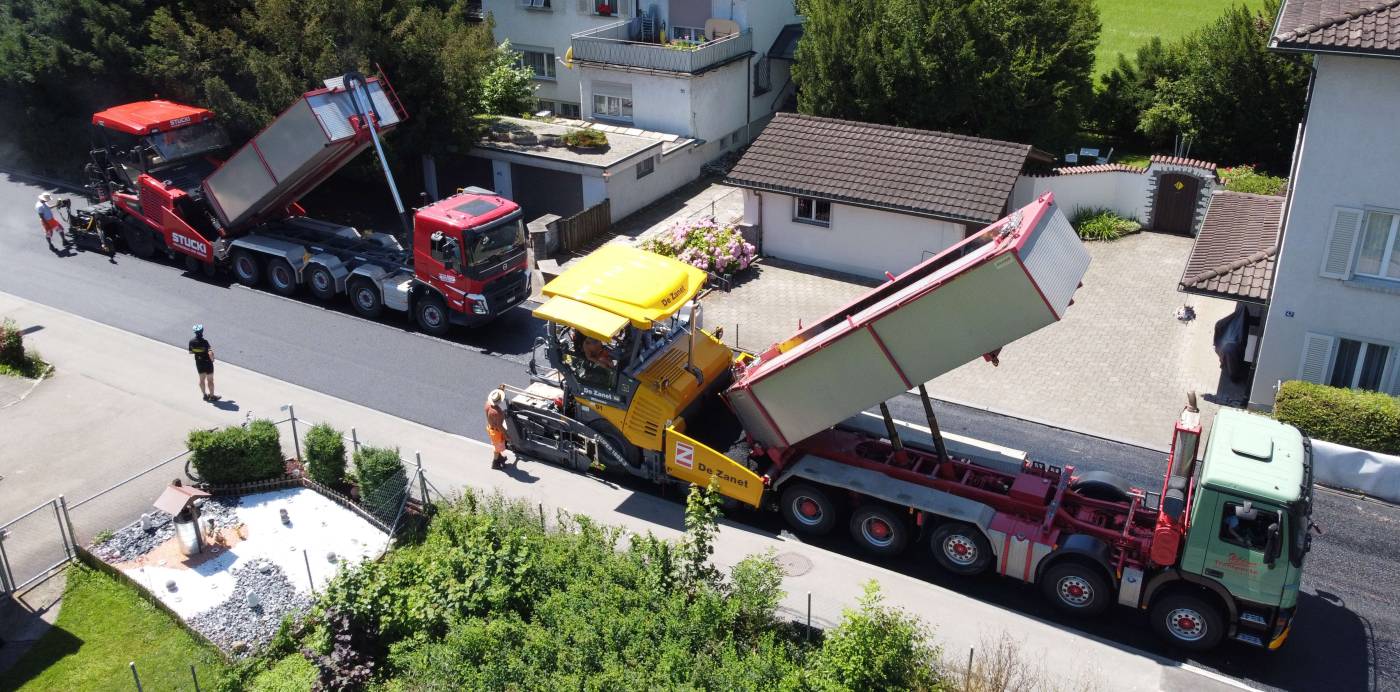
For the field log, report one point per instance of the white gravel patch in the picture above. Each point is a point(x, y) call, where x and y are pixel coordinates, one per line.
point(316, 524)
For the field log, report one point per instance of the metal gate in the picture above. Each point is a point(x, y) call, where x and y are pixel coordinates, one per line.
point(34, 544)
point(1175, 208)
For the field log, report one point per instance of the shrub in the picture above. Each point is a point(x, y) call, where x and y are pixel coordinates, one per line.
point(325, 455)
point(1247, 179)
point(237, 454)
point(876, 647)
point(704, 244)
point(1351, 417)
point(11, 344)
point(1098, 223)
point(586, 138)
point(380, 475)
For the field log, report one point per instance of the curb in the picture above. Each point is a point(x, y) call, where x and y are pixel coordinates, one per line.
point(76, 188)
point(33, 386)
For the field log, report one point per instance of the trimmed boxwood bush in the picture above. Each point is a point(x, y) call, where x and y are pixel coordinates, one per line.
point(379, 474)
point(325, 455)
point(237, 454)
point(1351, 417)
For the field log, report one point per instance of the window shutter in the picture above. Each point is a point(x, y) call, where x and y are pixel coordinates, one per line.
point(1317, 355)
point(1337, 255)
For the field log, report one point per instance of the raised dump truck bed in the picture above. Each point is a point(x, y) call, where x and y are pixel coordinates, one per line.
point(1004, 282)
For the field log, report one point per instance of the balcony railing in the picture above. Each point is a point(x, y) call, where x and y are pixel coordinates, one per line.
point(618, 44)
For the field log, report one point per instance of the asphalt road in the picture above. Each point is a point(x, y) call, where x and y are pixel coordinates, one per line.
point(1347, 635)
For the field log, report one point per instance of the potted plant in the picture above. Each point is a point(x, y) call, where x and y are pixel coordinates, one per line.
point(605, 9)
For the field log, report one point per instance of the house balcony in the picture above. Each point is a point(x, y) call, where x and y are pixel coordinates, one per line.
point(625, 44)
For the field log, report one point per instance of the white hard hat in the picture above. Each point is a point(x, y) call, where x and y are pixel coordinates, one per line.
point(496, 397)
point(45, 197)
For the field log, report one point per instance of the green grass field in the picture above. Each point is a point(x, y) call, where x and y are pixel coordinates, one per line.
point(1128, 24)
point(102, 626)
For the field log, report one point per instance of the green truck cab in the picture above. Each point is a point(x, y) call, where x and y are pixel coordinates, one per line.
point(1248, 530)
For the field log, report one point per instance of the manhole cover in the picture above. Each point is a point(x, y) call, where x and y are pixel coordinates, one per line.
point(793, 565)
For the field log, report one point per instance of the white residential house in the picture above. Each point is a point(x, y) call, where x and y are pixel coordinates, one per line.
point(1334, 316)
point(868, 199)
point(540, 31)
point(709, 70)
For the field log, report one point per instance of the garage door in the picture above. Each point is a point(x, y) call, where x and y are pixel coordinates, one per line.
point(540, 191)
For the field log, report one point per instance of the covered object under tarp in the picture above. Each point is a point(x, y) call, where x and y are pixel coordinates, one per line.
point(1000, 284)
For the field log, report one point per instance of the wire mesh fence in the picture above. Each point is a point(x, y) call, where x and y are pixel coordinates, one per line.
point(37, 542)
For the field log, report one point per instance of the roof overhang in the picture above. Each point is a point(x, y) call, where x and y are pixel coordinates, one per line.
point(1236, 252)
point(865, 204)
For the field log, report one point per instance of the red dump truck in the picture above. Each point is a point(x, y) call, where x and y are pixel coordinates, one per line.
point(162, 185)
point(636, 386)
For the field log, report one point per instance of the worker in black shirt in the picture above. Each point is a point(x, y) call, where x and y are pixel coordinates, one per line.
point(203, 363)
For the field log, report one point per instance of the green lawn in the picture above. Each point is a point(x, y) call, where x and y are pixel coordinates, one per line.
point(1128, 24)
point(102, 626)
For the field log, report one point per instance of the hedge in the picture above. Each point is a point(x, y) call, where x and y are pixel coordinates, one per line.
point(325, 455)
point(1351, 417)
point(380, 475)
point(237, 454)
point(11, 343)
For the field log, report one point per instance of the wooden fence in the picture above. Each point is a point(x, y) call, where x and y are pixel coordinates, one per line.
point(580, 230)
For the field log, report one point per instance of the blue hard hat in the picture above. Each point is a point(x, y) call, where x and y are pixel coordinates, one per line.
point(198, 328)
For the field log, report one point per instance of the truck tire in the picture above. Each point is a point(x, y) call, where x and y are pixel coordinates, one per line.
point(879, 530)
point(430, 311)
point(321, 282)
point(1077, 588)
point(808, 509)
point(281, 276)
point(1102, 485)
point(961, 548)
point(138, 241)
point(246, 268)
point(194, 265)
point(364, 298)
point(1188, 621)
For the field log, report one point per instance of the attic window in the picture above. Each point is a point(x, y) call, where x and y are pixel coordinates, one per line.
point(1248, 443)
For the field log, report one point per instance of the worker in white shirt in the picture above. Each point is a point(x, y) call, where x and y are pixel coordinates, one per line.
point(44, 208)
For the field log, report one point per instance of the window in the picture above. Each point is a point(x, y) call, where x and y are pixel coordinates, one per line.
point(812, 210)
point(607, 7)
point(568, 110)
point(646, 167)
point(762, 76)
point(1380, 247)
point(1246, 526)
point(687, 33)
point(607, 106)
point(543, 105)
point(540, 60)
point(1358, 365)
point(535, 4)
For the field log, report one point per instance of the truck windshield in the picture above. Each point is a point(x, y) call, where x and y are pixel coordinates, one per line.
point(186, 142)
point(493, 242)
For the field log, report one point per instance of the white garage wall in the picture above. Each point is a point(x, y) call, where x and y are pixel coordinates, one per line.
point(861, 241)
point(630, 193)
point(1122, 191)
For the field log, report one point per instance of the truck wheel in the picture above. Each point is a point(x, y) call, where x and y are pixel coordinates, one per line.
point(321, 281)
point(431, 313)
point(364, 297)
point(1102, 485)
point(138, 241)
point(879, 530)
point(246, 268)
point(1077, 588)
point(961, 548)
point(1188, 621)
point(808, 509)
point(281, 276)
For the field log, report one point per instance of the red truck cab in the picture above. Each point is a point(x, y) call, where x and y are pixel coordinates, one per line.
point(470, 247)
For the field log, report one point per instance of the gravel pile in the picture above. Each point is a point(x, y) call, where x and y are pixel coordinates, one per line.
point(132, 542)
point(241, 629)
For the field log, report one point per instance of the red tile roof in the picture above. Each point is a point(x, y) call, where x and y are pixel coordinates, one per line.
point(1237, 248)
point(937, 174)
point(1349, 26)
point(1099, 168)
point(1183, 161)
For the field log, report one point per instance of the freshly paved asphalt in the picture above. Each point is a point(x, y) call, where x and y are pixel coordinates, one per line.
point(1348, 626)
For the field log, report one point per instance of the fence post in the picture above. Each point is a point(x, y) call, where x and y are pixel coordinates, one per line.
point(296, 441)
point(354, 440)
point(72, 536)
point(7, 580)
point(809, 616)
point(62, 534)
point(422, 482)
point(134, 676)
point(194, 677)
point(309, 580)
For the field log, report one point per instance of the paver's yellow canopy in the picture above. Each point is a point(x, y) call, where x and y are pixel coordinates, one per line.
point(594, 322)
point(619, 279)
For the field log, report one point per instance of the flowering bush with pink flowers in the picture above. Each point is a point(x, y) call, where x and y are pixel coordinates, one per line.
point(705, 244)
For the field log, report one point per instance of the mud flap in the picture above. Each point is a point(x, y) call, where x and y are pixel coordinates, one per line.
point(691, 460)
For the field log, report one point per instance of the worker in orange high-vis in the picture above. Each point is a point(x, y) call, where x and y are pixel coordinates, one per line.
point(496, 426)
